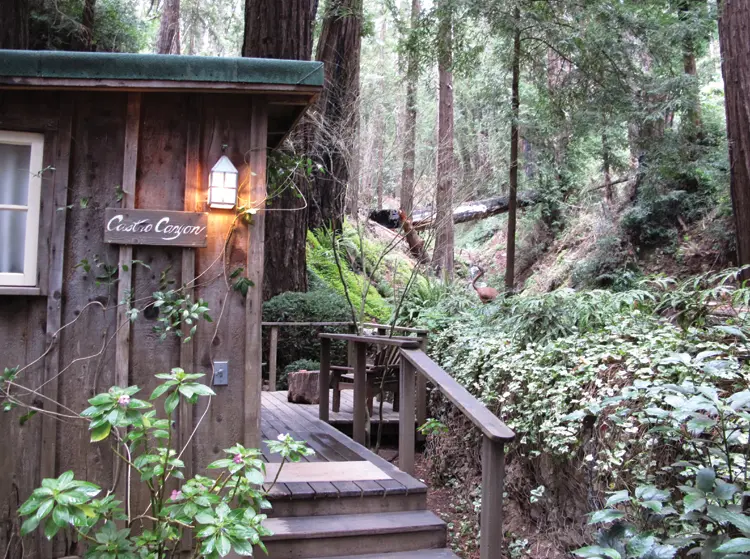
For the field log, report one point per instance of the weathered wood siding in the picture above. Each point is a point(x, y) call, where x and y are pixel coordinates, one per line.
point(82, 362)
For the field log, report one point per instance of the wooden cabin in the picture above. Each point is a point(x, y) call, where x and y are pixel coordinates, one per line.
point(127, 177)
point(105, 163)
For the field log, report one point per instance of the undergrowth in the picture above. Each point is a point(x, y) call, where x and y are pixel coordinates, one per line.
point(576, 375)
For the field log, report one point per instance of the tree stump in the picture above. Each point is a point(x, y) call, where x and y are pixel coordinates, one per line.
point(303, 387)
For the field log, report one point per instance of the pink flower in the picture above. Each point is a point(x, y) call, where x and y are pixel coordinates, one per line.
point(238, 459)
point(123, 401)
point(176, 495)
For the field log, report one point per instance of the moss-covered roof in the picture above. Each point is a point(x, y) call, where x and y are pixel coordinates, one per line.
point(103, 66)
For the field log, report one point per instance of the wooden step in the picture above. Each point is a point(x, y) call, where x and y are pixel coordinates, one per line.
point(352, 534)
point(353, 501)
point(420, 554)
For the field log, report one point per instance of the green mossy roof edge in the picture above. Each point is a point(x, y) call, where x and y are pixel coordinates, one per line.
point(98, 66)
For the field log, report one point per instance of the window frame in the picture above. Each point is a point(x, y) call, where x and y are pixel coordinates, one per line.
point(27, 278)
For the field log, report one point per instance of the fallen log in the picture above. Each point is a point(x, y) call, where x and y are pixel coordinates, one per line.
point(473, 211)
point(469, 211)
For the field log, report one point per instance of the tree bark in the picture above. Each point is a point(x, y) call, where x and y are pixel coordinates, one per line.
point(337, 110)
point(510, 255)
point(442, 258)
point(168, 39)
point(609, 193)
point(282, 29)
point(14, 24)
point(410, 117)
point(734, 34)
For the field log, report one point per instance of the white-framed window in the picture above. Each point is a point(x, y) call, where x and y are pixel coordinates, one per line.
point(21, 156)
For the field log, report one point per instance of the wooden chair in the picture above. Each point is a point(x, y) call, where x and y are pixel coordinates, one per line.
point(383, 372)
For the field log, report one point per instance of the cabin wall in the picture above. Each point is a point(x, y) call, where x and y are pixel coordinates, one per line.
point(180, 137)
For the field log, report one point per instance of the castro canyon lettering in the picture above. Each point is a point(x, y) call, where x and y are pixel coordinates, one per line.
point(153, 227)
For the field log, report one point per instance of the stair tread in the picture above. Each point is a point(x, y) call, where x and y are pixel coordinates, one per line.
point(421, 554)
point(348, 525)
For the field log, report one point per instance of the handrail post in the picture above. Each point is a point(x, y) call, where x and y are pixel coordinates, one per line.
point(272, 355)
point(422, 388)
point(406, 431)
point(493, 474)
point(360, 393)
point(323, 378)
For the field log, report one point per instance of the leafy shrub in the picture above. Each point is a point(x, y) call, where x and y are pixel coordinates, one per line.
point(222, 513)
point(299, 365)
point(295, 342)
point(633, 398)
point(693, 501)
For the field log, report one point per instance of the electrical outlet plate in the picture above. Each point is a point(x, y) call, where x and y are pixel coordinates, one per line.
point(221, 373)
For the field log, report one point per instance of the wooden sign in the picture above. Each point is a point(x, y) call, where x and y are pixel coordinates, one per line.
point(155, 227)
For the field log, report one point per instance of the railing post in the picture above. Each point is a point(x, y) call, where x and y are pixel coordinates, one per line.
point(272, 354)
point(323, 378)
point(422, 388)
point(493, 474)
point(406, 432)
point(360, 392)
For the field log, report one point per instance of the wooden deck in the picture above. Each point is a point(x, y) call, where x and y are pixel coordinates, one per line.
point(345, 415)
point(360, 472)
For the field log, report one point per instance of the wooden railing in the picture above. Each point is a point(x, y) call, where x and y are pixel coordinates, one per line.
point(358, 361)
point(415, 370)
point(415, 362)
point(273, 338)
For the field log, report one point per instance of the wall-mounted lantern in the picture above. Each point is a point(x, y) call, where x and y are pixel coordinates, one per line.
point(222, 185)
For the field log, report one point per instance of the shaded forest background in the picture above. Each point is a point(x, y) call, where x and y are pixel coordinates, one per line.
point(610, 114)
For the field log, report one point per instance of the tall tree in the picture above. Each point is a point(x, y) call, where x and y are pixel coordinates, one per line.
point(510, 255)
point(410, 115)
point(282, 29)
point(14, 24)
point(168, 39)
point(442, 258)
point(689, 47)
point(734, 35)
point(337, 113)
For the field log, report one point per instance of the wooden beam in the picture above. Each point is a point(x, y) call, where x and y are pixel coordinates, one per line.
point(254, 301)
point(273, 349)
point(324, 378)
point(493, 478)
point(422, 390)
point(192, 86)
point(193, 181)
point(402, 342)
point(125, 277)
point(56, 240)
point(360, 392)
point(406, 433)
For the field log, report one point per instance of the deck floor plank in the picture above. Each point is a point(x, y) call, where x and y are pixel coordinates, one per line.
point(330, 445)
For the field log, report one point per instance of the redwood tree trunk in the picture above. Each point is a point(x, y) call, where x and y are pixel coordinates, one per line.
point(282, 29)
point(337, 126)
point(168, 40)
point(14, 24)
point(734, 33)
point(410, 118)
point(510, 262)
point(442, 258)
